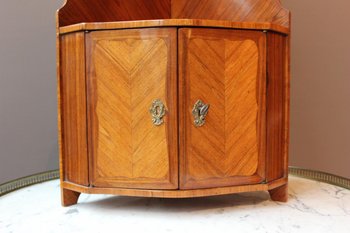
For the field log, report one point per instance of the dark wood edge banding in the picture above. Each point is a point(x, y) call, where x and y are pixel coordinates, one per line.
point(54, 174)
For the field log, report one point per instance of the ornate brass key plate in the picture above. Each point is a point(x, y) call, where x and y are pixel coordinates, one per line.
point(199, 112)
point(157, 111)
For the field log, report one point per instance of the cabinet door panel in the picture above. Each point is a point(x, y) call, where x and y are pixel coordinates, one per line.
point(225, 69)
point(127, 71)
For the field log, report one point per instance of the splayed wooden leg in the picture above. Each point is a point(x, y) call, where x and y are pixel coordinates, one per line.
point(69, 197)
point(280, 193)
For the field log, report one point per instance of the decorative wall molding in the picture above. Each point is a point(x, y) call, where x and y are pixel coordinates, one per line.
point(320, 176)
point(27, 181)
point(54, 174)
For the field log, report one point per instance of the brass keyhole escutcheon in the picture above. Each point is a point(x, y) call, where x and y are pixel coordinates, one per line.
point(199, 112)
point(157, 111)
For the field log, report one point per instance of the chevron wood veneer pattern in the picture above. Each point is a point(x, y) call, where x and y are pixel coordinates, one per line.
point(127, 72)
point(223, 68)
point(82, 11)
point(233, 10)
point(114, 59)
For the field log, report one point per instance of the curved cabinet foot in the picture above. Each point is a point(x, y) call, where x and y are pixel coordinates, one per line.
point(69, 197)
point(280, 193)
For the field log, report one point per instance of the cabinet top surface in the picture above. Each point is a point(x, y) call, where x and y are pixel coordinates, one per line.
point(109, 14)
point(172, 23)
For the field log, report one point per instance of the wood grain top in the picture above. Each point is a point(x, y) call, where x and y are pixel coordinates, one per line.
point(232, 10)
point(266, 14)
point(78, 11)
point(173, 23)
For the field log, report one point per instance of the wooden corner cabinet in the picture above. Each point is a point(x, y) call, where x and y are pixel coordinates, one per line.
point(173, 98)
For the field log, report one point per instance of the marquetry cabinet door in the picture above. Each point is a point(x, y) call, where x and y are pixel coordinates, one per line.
point(132, 108)
point(222, 77)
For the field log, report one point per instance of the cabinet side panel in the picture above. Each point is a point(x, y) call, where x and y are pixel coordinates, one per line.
point(277, 106)
point(73, 108)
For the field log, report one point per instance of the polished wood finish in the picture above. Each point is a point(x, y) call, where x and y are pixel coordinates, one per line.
point(176, 193)
point(83, 11)
point(286, 102)
point(280, 193)
point(69, 197)
point(59, 102)
point(232, 10)
point(277, 105)
point(73, 108)
point(115, 58)
point(225, 69)
point(78, 11)
point(174, 22)
point(127, 71)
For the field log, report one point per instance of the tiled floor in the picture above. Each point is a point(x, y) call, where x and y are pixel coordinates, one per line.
point(312, 207)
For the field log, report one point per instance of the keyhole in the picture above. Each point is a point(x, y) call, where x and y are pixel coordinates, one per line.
point(157, 110)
